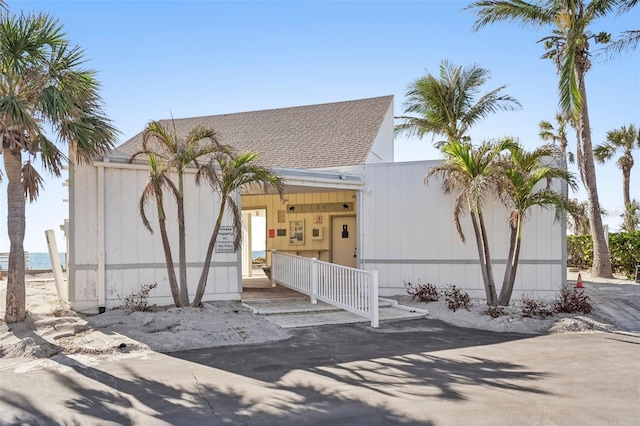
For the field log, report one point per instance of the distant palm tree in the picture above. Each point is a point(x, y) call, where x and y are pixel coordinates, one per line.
point(631, 217)
point(625, 139)
point(470, 174)
point(519, 187)
point(44, 89)
point(557, 135)
point(568, 47)
point(228, 173)
point(178, 153)
point(450, 104)
point(156, 184)
point(578, 217)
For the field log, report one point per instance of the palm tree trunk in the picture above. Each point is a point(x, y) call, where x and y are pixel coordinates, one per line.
point(16, 301)
point(626, 193)
point(493, 300)
point(173, 282)
point(601, 260)
point(182, 248)
point(512, 265)
point(197, 300)
point(485, 258)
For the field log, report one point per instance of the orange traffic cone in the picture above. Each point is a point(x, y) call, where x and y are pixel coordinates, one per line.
point(579, 283)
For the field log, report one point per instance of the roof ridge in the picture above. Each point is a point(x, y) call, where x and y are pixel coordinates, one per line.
point(279, 108)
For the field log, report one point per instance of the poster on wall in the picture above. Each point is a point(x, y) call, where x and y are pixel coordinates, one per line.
point(296, 232)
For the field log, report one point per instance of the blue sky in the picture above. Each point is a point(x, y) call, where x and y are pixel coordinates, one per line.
point(161, 58)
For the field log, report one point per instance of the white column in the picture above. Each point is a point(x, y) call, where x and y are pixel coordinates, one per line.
point(373, 291)
point(314, 280)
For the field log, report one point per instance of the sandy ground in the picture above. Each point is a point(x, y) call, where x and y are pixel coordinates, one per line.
point(50, 329)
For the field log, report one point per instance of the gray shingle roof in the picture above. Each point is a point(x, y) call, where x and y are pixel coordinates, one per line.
point(304, 137)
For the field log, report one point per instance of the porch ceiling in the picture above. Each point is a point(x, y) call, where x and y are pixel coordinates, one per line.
point(306, 181)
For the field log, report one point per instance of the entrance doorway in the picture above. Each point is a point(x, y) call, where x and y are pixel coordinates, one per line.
point(343, 241)
point(254, 243)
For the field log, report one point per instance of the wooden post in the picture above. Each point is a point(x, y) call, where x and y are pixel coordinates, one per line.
point(63, 290)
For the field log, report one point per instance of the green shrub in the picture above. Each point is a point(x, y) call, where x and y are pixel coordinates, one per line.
point(579, 251)
point(624, 249)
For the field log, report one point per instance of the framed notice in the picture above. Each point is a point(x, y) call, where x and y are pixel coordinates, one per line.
point(316, 233)
point(296, 232)
point(224, 242)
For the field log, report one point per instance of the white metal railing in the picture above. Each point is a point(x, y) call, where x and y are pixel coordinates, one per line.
point(351, 289)
point(4, 259)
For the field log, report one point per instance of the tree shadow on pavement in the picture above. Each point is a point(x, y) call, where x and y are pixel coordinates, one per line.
point(329, 375)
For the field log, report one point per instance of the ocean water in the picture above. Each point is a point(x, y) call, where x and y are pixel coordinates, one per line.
point(42, 260)
point(37, 261)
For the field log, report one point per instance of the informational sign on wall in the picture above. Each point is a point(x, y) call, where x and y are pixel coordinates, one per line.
point(320, 208)
point(224, 242)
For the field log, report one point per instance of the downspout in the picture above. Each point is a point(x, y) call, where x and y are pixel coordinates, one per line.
point(360, 229)
point(101, 272)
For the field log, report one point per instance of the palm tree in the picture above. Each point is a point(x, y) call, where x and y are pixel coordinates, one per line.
point(44, 88)
point(178, 154)
point(568, 47)
point(625, 139)
point(520, 189)
point(578, 216)
point(470, 173)
point(631, 217)
point(450, 104)
point(559, 135)
point(227, 173)
point(156, 184)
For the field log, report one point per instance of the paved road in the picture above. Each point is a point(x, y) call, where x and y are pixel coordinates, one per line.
point(410, 372)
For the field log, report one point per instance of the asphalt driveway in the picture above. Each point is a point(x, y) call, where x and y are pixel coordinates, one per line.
point(410, 372)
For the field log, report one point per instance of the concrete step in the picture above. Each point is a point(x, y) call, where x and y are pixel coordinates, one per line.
point(314, 319)
point(294, 306)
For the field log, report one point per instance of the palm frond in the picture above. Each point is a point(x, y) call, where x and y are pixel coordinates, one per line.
point(52, 158)
point(568, 85)
point(157, 138)
point(236, 219)
point(32, 182)
point(521, 12)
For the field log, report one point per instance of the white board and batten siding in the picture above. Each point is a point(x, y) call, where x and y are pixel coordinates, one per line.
point(408, 236)
point(113, 255)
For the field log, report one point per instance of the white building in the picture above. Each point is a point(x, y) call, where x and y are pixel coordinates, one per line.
point(347, 203)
